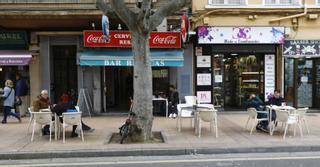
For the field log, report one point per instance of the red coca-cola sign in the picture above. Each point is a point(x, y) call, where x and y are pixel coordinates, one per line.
point(123, 39)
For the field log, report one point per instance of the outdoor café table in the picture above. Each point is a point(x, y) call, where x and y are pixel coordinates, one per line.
point(274, 107)
point(195, 110)
point(163, 99)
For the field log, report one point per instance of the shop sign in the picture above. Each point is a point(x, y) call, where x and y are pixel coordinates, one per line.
point(203, 61)
point(204, 79)
point(155, 63)
point(123, 39)
point(269, 75)
point(204, 96)
point(13, 40)
point(301, 47)
point(240, 35)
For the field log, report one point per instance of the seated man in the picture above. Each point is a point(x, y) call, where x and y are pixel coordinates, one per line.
point(42, 102)
point(276, 100)
point(63, 107)
point(255, 102)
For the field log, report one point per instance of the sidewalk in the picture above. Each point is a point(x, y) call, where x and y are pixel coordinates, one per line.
point(15, 141)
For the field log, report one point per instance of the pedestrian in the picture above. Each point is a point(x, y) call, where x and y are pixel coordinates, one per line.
point(173, 101)
point(8, 103)
point(21, 94)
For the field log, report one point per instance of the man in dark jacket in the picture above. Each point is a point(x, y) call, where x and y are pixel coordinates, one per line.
point(63, 107)
point(173, 101)
point(255, 102)
point(276, 100)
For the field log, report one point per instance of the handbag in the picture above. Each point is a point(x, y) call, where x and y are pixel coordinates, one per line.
point(17, 101)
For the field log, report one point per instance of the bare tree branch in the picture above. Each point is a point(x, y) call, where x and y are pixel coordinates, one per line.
point(167, 10)
point(104, 7)
point(124, 13)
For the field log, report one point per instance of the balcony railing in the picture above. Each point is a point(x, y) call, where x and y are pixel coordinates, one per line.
point(282, 2)
point(227, 2)
point(57, 1)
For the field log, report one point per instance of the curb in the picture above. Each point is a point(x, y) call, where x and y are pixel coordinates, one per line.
point(151, 152)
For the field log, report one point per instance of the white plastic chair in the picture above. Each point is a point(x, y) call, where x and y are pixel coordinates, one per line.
point(192, 100)
point(30, 110)
point(284, 117)
point(253, 115)
point(70, 119)
point(301, 113)
point(41, 118)
point(207, 115)
point(183, 113)
point(77, 108)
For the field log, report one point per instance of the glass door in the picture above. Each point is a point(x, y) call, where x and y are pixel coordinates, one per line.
point(316, 88)
point(304, 83)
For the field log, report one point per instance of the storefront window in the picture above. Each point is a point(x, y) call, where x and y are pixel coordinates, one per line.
point(289, 81)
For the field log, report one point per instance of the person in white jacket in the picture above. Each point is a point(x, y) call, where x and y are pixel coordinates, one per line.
point(8, 101)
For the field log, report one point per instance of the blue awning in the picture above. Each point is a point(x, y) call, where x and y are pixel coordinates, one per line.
point(123, 57)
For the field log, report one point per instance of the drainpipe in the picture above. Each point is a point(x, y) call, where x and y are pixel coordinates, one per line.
point(292, 16)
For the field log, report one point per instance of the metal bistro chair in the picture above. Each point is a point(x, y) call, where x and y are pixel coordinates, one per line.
point(253, 115)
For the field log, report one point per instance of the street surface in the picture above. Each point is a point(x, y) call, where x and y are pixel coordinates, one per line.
point(301, 159)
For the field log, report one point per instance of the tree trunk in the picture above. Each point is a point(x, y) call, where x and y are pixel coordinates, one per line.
point(142, 79)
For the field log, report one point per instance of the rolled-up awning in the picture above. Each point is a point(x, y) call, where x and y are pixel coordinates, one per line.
point(14, 57)
point(123, 57)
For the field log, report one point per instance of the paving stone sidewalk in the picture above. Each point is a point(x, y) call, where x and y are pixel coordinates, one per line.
point(233, 137)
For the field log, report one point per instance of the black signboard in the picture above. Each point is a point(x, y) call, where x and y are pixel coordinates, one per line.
point(13, 40)
point(301, 47)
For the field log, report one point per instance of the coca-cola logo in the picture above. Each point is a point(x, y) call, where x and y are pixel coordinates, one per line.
point(164, 40)
point(96, 39)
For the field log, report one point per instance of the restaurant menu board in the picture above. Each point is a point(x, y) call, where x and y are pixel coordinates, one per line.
point(269, 77)
point(204, 96)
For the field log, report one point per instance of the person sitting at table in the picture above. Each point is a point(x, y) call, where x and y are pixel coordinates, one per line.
point(276, 100)
point(173, 101)
point(255, 102)
point(42, 102)
point(62, 108)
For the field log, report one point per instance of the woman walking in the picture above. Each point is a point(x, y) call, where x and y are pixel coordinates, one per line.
point(8, 102)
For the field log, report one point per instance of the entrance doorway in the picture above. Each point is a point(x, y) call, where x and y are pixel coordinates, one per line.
point(243, 74)
point(118, 88)
point(302, 82)
point(64, 70)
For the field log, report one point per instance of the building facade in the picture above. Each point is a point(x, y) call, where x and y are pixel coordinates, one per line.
point(256, 46)
point(57, 43)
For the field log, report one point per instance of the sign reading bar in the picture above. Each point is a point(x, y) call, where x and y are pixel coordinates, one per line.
point(301, 47)
point(240, 35)
point(123, 39)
